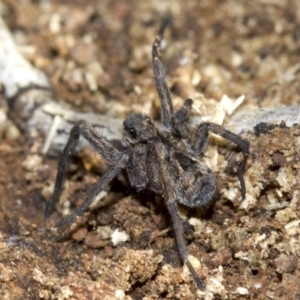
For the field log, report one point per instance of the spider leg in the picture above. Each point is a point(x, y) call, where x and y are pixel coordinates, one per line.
point(160, 80)
point(201, 138)
point(180, 119)
point(97, 187)
point(181, 242)
point(101, 146)
point(170, 200)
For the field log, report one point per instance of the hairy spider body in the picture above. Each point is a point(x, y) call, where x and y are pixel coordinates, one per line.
point(152, 149)
point(167, 161)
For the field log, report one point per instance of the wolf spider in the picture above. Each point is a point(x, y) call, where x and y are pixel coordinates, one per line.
point(167, 161)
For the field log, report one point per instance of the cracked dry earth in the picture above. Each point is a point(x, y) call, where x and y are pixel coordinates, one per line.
point(242, 250)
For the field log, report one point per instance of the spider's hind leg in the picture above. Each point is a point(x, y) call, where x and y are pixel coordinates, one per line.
point(201, 140)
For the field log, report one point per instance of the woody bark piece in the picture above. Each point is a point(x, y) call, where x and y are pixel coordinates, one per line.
point(34, 108)
point(15, 71)
point(247, 120)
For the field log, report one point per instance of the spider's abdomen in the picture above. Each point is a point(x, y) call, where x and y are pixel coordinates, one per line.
point(194, 182)
point(189, 177)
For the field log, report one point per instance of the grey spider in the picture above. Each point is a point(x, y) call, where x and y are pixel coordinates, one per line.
point(167, 161)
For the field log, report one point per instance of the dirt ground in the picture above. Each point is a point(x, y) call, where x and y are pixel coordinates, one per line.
point(97, 55)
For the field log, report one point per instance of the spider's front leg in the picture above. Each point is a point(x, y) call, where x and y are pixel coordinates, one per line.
point(169, 192)
point(97, 188)
point(181, 241)
point(160, 78)
point(201, 139)
point(180, 120)
point(112, 155)
point(176, 122)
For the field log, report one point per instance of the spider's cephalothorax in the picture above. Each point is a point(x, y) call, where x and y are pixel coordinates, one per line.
point(167, 161)
point(154, 152)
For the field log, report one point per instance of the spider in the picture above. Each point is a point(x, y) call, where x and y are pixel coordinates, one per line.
point(168, 161)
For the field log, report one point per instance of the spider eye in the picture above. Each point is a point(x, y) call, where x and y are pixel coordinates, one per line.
point(132, 132)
